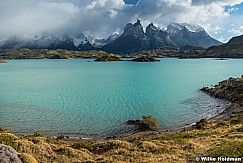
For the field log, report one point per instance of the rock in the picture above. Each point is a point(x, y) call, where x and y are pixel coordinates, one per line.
point(133, 122)
point(56, 56)
point(108, 58)
point(145, 59)
point(2, 61)
point(8, 154)
point(230, 90)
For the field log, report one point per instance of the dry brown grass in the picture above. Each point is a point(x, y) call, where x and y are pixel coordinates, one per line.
point(177, 146)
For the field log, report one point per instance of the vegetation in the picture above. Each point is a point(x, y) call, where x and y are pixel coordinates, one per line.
point(151, 146)
point(25, 53)
point(148, 123)
point(231, 89)
point(49, 54)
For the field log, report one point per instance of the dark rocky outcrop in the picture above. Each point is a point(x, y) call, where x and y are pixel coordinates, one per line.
point(132, 40)
point(8, 155)
point(231, 90)
point(108, 58)
point(133, 122)
point(145, 59)
point(56, 56)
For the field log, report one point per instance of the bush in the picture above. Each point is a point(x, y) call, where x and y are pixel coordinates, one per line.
point(82, 144)
point(148, 123)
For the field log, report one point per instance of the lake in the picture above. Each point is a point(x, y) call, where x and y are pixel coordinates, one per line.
point(95, 99)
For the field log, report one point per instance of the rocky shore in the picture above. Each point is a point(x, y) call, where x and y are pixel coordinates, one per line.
point(229, 90)
point(2, 61)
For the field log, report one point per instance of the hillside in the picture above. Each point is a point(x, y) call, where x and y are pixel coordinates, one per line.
point(49, 54)
point(232, 49)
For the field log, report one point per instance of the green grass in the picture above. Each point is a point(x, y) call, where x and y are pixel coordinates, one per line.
point(228, 149)
point(8, 140)
point(82, 144)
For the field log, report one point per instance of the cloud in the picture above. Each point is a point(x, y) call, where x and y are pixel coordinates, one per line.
point(104, 17)
point(233, 9)
point(34, 16)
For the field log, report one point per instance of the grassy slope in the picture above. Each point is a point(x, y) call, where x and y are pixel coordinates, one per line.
point(214, 139)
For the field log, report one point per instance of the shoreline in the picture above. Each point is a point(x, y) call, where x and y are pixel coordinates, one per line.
point(226, 113)
point(220, 135)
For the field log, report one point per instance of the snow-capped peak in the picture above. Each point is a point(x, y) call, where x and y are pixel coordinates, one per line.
point(193, 28)
point(180, 26)
point(80, 39)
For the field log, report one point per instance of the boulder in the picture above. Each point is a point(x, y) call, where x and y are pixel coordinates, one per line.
point(8, 154)
point(108, 58)
point(145, 59)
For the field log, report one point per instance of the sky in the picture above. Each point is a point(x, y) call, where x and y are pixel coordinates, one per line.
point(222, 19)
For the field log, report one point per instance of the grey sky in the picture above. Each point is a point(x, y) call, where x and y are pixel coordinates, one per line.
point(104, 17)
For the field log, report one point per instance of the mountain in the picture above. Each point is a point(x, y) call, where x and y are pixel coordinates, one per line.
point(192, 35)
point(132, 40)
point(100, 42)
point(157, 37)
point(232, 49)
point(176, 35)
point(49, 41)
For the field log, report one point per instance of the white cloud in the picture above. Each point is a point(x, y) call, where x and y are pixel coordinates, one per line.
point(103, 17)
point(233, 9)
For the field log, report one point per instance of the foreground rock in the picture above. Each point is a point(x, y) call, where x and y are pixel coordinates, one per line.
point(108, 58)
point(1, 61)
point(145, 59)
point(8, 154)
point(231, 90)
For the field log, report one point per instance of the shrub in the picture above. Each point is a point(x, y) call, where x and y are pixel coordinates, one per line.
point(148, 123)
point(82, 144)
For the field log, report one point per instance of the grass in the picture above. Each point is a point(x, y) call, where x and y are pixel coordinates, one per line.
point(222, 138)
point(176, 146)
point(228, 149)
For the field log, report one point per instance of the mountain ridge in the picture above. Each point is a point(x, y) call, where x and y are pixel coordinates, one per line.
point(134, 39)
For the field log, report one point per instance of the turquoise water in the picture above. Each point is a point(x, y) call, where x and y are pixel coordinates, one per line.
point(84, 97)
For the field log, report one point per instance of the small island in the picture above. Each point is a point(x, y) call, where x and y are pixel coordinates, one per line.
point(108, 58)
point(145, 59)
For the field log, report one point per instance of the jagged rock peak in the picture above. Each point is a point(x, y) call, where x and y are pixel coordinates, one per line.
point(138, 23)
point(135, 29)
point(151, 28)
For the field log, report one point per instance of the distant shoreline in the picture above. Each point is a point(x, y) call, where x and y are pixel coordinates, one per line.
point(15, 54)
